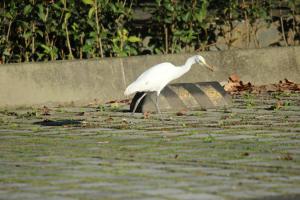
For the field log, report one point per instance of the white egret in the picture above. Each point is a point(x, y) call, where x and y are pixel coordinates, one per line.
point(157, 77)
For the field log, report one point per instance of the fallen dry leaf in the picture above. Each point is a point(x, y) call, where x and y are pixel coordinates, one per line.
point(234, 78)
point(236, 86)
point(126, 101)
point(109, 119)
point(231, 86)
point(181, 113)
point(111, 102)
point(146, 115)
point(279, 104)
point(84, 123)
point(245, 154)
point(45, 110)
point(125, 121)
point(287, 156)
point(287, 81)
point(80, 114)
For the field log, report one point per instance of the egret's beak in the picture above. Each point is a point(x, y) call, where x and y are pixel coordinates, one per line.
point(210, 67)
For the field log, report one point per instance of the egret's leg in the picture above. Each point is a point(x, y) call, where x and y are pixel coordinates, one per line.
point(157, 107)
point(138, 102)
point(156, 104)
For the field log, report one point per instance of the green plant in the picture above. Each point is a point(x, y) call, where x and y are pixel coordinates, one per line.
point(209, 139)
point(122, 44)
point(182, 26)
point(37, 30)
point(249, 100)
point(95, 37)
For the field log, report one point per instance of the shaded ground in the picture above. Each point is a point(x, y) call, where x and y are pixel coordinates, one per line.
point(248, 151)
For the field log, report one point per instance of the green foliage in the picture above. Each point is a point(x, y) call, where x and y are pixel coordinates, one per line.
point(209, 139)
point(250, 100)
point(37, 30)
point(182, 25)
point(122, 43)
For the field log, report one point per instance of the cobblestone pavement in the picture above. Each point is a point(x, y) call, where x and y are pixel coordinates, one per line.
point(250, 150)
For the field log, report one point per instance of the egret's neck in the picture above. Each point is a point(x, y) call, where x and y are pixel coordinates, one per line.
point(189, 62)
point(186, 67)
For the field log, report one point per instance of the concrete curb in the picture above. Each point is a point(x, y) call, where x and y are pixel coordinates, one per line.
point(105, 79)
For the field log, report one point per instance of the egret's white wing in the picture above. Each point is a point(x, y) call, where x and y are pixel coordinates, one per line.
point(153, 79)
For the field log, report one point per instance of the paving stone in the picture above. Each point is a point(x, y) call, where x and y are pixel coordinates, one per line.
point(232, 153)
point(250, 194)
point(197, 196)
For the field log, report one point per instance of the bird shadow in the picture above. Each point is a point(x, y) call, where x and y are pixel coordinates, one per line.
point(65, 122)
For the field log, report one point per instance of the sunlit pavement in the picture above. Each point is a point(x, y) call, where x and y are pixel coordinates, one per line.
point(249, 150)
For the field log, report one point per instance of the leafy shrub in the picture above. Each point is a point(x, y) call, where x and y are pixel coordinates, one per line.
point(40, 30)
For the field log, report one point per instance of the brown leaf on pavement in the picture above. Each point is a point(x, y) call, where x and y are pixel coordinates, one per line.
point(236, 86)
point(45, 110)
point(111, 102)
point(80, 114)
point(109, 119)
point(234, 78)
point(146, 115)
point(181, 113)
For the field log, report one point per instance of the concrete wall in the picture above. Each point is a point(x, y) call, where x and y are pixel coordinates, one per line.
point(106, 79)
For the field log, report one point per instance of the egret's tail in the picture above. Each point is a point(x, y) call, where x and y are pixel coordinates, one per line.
point(129, 90)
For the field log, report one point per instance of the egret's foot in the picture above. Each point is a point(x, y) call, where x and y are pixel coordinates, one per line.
point(160, 117)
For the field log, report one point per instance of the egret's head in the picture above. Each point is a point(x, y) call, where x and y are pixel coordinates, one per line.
point(200, 60)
